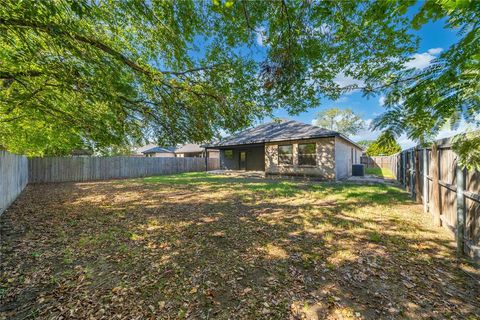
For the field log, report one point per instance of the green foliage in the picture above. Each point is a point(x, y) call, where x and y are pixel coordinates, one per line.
point(468, 144)
point(385, 145)
point(96, 74)
point(342, 120)
point(365, 143)
point(381, 172)
point(99, 74)
point(421, 102)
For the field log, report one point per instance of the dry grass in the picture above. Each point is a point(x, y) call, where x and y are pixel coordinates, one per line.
point(205, 247)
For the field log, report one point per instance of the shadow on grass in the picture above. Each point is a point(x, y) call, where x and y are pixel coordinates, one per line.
point(200, 246)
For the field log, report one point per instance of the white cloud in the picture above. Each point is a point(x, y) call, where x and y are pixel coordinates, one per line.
point(448, 132)
point(261, 36)
point(366, 134)
point(434, 51)
point(381, 100)
point(343, 81)
point(423, 60)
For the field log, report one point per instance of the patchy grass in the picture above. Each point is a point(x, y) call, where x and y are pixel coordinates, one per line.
point(198, 246)
point(380, 172)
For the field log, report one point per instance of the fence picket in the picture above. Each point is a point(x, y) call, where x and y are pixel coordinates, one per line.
point(101, 168)
point(449, 194)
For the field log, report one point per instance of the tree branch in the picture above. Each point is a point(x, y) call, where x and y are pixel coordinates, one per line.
point(55, 30)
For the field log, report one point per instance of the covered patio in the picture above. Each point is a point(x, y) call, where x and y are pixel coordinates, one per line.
point(248, 157)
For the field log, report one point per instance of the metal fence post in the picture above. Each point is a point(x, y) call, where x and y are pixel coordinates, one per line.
point(460, 210)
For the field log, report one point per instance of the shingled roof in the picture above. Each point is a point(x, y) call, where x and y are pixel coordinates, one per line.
point(189, 148)
point(274, 131)
point(160, 150)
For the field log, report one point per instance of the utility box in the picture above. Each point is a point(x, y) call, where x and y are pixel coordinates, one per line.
point(358, 170)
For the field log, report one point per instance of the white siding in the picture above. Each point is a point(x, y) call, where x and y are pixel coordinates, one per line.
point(344, 158)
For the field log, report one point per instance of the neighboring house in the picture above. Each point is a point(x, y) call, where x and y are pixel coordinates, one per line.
point(163, 152)
point(138, 152)
point(289, 147)
point(191, 150)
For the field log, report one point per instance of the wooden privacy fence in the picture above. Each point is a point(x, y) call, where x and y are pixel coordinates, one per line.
point(60, 169)
point(377, 162)
point(13, 177)
point(448, 192)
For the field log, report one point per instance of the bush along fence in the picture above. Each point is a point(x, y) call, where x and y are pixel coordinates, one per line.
point(448, 192)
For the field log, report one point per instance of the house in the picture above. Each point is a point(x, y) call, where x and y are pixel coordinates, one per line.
point(162, 152)
point(290, 148)
point(191, 150)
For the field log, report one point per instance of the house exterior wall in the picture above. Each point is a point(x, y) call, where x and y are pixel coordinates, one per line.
point(214, 154)
point(255, 158)
point(324, 169)
point(346, 154)
point(161, 155)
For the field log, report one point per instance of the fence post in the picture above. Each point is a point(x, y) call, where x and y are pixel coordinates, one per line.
point(418, 193)
point(404, 169)
point(435, 187)
point(425, 181)
point(411, 173)
point(460, 210)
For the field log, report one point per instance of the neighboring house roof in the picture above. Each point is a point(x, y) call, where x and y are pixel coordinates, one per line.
point(282, 130)
point(140, 150)
point(189, 148)
point(158, 149)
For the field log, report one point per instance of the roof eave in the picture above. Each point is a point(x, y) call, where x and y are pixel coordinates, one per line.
point(329, 135)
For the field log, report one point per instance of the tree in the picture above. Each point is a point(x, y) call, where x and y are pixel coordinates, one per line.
point(344, 121)
point(96, 73)
point(365, 143)
point(385, 145)
point(421, 102)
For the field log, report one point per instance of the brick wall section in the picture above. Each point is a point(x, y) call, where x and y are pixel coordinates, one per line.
point(324, 170)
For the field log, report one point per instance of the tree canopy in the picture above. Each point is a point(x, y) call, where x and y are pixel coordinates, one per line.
point(103, 73)
point(385, 145)
point(341, 120)
point(421, 102)
point(365, 143)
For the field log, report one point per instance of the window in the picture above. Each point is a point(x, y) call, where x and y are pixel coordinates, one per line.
point(228, 154)
point(307, 154)
point(285, 154)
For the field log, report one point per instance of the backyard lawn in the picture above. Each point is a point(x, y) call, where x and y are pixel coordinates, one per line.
point(208, 247)
point(380, 172)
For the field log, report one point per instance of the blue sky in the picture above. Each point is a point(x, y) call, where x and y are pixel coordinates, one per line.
point(434, 38)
